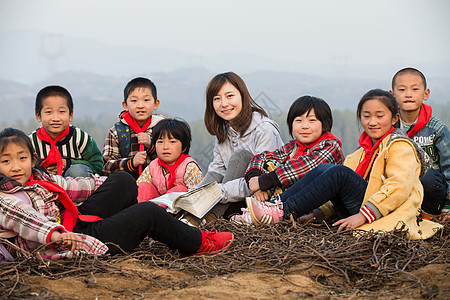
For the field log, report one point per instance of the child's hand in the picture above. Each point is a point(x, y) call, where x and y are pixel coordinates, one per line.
point(261, 196)
point(139, 158)
point(253, 184)
point(144, 138)
point(306, 219)
point(444, 217)
point(351, 222)
point(69, 240)
point(53, 169)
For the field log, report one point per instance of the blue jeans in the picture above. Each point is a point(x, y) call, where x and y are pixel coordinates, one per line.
point(434, 191)
point(338, 184)
point(78, 170)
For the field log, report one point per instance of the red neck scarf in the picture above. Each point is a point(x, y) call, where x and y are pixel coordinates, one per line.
point(137, 128)
point(171, 168)
point(71, 213)
point(424, 116)
point(302, 148)
point(370, 152)
point(53, 156)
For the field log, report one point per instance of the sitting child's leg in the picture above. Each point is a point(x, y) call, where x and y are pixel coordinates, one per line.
point(304, 181)
point(128, 228)
point(78, 170)
point(118, 192)
point(434, 191)
point(340, 184)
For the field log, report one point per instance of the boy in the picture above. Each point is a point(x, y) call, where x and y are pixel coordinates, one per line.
point(127, 145)
point(65, 149)
point(409, 87)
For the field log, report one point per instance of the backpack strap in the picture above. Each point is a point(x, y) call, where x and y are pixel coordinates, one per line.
point(124, 134)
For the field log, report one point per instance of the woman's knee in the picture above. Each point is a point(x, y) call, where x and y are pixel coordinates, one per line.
point(237, 165)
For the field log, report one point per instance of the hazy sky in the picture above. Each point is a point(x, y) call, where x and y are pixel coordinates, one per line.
point(357, 31)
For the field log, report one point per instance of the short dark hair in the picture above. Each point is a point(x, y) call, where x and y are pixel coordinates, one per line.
point(49, 91)
point(176, 128)
point(16, 136)
point(381, 95)
point(215, 124)
point(409, 70)
point(139, 82)
point(304, 105)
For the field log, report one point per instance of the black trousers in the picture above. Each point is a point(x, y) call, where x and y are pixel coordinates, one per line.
point(126, 222)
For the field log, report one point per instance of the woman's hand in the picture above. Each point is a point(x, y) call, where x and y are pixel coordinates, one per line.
point(351, 222)
point(253, 184)
point(68, 240)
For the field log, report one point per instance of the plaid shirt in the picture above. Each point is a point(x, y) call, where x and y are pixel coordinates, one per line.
point(35, 222)
point(113, 161)
point(291, 168)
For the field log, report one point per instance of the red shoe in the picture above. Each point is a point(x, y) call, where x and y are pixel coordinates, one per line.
point(213, 241)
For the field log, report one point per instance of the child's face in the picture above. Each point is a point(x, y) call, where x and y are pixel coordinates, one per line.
point(376, 119)
point(16, 162)
point(55, 115)
point(228, 102)
point(168, 149)
point(307, 128)
point(410, 91)
point(140, 103)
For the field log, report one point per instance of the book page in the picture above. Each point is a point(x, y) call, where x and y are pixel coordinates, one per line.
point(168, 200)
point(200, 200)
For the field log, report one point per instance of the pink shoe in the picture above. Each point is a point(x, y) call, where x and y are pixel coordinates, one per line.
point(244, 219)
point(264, 212)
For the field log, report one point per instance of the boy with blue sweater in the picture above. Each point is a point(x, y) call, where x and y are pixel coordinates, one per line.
point(410, 89)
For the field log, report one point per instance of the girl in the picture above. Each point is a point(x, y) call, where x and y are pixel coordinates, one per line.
point(35, 209)
point(377, 188)
point(173, 170)
point(242, 129)
point(309, 121)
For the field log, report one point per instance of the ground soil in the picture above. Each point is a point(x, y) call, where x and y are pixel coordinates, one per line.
point(136, 281)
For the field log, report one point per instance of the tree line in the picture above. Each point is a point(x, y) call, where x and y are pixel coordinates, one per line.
point(345, 127)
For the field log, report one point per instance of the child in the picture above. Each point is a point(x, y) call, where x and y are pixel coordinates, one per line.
point(65, 149)
point(174, 170)
point(33, 202)
point(242, 129)
point(378, 186)
point(127, 145)
point(410, 89)
point(309, 121)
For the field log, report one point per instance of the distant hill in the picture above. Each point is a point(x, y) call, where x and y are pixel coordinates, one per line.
point(182, 92)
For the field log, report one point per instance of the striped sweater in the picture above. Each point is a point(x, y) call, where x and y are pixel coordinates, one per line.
point(78, 146)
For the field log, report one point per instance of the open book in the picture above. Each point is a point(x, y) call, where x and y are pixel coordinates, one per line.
point(197, 201)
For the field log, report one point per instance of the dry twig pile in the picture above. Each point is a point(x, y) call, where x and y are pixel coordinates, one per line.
point(363, 263)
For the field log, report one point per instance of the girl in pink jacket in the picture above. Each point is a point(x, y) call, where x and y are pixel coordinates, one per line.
point(173, 170)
